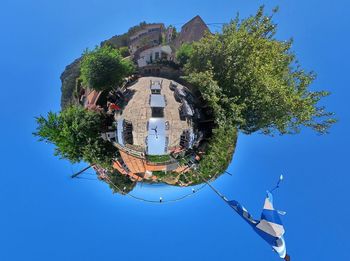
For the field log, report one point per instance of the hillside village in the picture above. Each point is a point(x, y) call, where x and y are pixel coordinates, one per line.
point(157, 105)
point(158, 138)
point(151, 46)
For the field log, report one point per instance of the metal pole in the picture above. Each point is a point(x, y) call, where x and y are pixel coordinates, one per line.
point(214, 189)
point(81, 171)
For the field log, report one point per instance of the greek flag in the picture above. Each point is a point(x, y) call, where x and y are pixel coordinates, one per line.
point(269, 227)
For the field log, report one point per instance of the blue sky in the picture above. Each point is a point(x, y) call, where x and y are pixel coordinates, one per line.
point(47, 216)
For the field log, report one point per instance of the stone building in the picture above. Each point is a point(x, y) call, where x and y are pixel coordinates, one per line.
point(149, 36)
point(154, 54)
point(192, 31)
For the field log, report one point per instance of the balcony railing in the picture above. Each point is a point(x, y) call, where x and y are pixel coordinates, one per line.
point(139, 154)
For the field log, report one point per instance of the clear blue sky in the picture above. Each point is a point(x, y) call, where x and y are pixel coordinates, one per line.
point(47, 216)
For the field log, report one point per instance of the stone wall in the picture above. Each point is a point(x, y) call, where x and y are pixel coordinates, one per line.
point(192, 31)
point(160, 70)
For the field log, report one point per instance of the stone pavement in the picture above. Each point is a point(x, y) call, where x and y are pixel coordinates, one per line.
point(138, 111)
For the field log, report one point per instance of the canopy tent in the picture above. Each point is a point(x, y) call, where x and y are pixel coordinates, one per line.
point(156, 139)
point(120, 128)
point(156, 85)
point(173, 86)
point(156, 145)
point(157, 100)
point(186, 110)
point(180, 92)
point(124, 132)
point(187, 139)
point(191, 137)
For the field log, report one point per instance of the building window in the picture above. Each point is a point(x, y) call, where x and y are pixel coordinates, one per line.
point(156, 56)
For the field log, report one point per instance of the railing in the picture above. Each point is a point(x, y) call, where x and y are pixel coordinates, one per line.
point(130, 151)
point(170, 161)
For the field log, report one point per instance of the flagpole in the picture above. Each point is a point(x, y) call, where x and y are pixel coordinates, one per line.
point(214, 189)
point(287, 257)
point(81, 171)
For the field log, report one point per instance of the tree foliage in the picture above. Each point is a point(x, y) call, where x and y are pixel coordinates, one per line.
point(124, 51)
point(219, 151)
point(174, 33)
point(76, 132)
point(253, 81)
point(104, 68)
point(183, 53)
point(120, 183)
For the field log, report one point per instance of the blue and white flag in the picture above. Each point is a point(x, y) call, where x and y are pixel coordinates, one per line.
point(269, 227)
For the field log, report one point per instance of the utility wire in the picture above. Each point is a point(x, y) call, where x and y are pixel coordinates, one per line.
point(214, 189)
point(194, 191)
point(81, 172)
point(86, 178)
point(154, 201)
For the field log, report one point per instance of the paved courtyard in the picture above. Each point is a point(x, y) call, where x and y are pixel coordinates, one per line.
point(138, 111)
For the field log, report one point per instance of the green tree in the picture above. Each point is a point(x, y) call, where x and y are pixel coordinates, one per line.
point(183, 53)
point(124, 51)
point(218, 153)
point(120, 183)
point(254, 80)
point(76, 132)
point(104, 68)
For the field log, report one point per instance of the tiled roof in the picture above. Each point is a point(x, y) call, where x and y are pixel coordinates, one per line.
point(135, 165)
